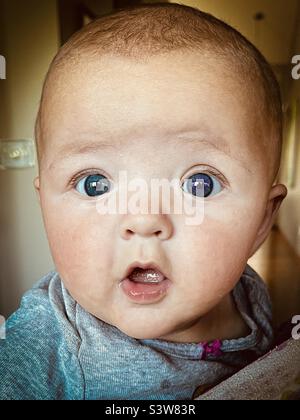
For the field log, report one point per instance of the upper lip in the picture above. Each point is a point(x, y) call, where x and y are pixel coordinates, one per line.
point(143, 265)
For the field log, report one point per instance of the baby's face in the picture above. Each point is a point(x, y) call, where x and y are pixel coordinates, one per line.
point(172, 118)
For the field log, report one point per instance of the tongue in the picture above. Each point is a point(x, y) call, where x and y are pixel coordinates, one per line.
point(149, 275)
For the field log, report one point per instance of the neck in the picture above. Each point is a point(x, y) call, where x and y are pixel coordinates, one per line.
point(222, 322)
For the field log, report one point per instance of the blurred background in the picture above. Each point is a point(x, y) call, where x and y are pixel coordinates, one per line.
point(31, 31)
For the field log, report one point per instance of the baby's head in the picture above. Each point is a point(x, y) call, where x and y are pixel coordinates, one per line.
point(158, 92)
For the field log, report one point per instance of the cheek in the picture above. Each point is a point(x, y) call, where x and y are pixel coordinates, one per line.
point(81, 240)
point(214, 254)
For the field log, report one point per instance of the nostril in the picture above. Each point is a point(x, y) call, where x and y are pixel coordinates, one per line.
point(145, 228)
point(130, 232)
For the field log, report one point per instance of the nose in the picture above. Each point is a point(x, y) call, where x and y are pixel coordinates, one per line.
point(149, 225)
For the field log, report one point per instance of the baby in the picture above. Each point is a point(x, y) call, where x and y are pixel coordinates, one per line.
point(143, 305)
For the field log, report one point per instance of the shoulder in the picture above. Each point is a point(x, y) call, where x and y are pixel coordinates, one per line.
point(39, 309)
point(34, 310)
point(34, 303)
point(46, 308)
point(255, 292)
point(253, 302)
point(36, 344)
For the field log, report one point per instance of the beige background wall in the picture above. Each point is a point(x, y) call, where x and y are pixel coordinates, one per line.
point(28, 41)
point(273, 36)
point(289, 219)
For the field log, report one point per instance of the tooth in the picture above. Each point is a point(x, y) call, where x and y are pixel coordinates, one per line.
point(146, 276)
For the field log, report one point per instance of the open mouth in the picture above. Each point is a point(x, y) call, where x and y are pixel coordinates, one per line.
point(146, 284)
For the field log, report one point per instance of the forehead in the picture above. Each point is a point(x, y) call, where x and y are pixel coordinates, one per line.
point(115, 98)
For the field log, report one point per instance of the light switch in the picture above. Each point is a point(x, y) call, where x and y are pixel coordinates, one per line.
point(17, 154)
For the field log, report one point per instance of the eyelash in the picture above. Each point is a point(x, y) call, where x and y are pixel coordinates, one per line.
point(206, 169)
point(83, 174)
point(209, 171)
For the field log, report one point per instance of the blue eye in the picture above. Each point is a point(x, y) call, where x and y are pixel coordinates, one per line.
point(93, 185)
point(201, 185)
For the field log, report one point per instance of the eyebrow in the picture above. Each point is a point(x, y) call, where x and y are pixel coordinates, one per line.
point(196, 138)
point(79, 149)
point(193, 138)
point(75, 149)
point(217, 143)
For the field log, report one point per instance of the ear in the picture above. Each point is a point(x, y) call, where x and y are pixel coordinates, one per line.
point(276, 196)
point(36, 184)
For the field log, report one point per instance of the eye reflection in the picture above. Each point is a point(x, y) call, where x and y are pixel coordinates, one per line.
point(93, 185)
point(202, 185)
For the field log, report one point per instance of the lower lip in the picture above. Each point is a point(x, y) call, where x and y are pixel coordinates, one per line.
point(145, 292)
